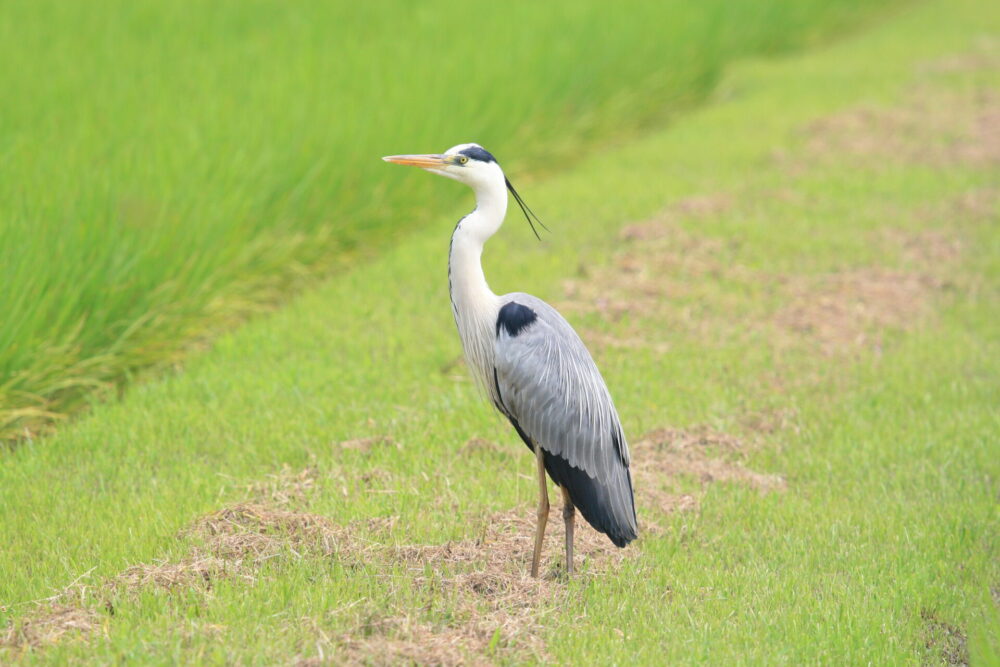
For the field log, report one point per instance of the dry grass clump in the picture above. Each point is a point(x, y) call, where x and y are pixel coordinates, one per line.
point(665, 279)
point(947, 641)
point(768, 421)
point(477, 446)
point(198, 571)
point(700, 452)
point(502, 551)
point(984, 56)
point(661, 261)
point(925, 249)
point(366, 444)
point(661, 281)
point(230, 544)
point(978, 205)
point(50, 623)
point(854, 308)
point(286, 487)
point(937, 127)
point(253, 533)
point(658, 282)
point(423, 645)
point(665, 227)
point(496, 608)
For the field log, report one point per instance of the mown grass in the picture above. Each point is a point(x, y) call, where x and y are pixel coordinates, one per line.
point(170, 168)
point(884, 538)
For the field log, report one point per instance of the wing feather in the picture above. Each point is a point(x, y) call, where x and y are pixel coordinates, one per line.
point(550, 387)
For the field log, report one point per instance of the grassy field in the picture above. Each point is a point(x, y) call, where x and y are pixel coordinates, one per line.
point(172, 168)
point(792, 295)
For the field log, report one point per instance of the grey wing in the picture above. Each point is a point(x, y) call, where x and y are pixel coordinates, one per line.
point(549, 387)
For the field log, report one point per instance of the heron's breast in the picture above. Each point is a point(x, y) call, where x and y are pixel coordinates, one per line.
point(475, 329)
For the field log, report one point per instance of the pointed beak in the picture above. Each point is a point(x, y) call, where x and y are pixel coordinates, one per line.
point(422, 161)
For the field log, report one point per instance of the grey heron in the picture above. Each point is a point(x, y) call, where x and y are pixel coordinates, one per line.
point(533, 366)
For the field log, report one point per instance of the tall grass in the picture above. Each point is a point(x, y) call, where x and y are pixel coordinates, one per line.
point(167, 168)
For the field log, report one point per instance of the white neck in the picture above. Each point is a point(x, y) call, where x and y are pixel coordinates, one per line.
point(474, 305)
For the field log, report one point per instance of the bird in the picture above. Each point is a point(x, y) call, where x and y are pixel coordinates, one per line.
point(533, 367)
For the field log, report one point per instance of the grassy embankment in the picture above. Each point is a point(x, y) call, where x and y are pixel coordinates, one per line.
point(170, 168)
point(811, 307)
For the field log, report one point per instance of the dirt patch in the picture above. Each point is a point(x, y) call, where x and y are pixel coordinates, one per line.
point(286, 487)
point(194, 572)
point(424, 645)
point(977, 206)
point(854, 308)
point(230, 544)
point(944, 640)
point(660, 261)
point(481, 446)
point(482, 604)
point(935, 126)
point(496, 609)
point(502, 551)
point(665, 225)
point(924, 249)
point(700, 452)
point(759, 423)
point(947, 118)
point(668, 283)
point(50, 623)
point(250, 534)
point(983, 57)
point(661, 282)
point(366, 444)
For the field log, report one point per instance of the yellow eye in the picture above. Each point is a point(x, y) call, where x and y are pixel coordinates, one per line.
point(463, 160)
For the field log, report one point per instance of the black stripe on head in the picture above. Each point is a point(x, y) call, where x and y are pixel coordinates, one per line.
point(478, 153)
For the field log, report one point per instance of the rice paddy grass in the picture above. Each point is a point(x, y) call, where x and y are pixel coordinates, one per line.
point(170, 169)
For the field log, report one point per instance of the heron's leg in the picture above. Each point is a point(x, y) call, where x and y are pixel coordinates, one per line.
point(543, 510)
point(569, 513)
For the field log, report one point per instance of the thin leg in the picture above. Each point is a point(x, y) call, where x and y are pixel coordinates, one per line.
point(543, 510)
point(569, 513)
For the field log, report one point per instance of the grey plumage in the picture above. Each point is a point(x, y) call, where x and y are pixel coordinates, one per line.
point(548, 385)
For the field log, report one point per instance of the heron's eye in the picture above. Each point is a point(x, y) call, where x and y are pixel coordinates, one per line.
point(463, 160)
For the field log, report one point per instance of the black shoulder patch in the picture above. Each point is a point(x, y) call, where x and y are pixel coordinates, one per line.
point(478, 153)
point(514, 318)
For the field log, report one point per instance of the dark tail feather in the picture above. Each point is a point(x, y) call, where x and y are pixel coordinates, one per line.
point(609, 508)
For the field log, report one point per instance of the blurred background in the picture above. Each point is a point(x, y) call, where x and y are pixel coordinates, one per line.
point(169, 168)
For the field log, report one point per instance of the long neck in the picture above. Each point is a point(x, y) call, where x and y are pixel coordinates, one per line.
point(465, 268)
point(473, 303)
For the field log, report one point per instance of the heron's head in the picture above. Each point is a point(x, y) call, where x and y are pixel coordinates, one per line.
point(466, 163)
point(470, 164)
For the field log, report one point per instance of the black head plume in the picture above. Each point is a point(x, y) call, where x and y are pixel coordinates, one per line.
point(528, 213)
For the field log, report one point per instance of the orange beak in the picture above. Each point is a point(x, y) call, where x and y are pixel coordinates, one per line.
point(422, 161)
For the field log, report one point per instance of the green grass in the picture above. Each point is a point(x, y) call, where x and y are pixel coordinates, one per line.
point(169, 168)
point(890, 512)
